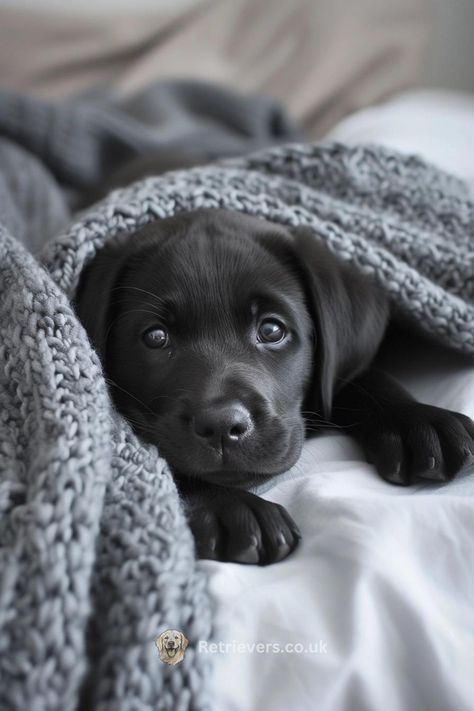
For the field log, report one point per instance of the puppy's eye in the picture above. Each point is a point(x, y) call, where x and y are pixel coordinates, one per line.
point(156, 338)
point(271, 331)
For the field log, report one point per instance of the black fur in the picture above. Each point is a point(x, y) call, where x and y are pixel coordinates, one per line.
point(229, 411)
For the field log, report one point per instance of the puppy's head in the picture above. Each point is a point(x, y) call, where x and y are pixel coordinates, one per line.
point(218, 331)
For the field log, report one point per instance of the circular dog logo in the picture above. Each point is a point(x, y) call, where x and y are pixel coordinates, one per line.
point(171, 645)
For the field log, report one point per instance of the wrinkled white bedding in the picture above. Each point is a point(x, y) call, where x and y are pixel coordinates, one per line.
point(380, 593)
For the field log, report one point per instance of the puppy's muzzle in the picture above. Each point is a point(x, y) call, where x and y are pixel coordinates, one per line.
point(222, 426)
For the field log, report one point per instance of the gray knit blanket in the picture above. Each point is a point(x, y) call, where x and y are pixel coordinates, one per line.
point(394, 217)
point(96, 558)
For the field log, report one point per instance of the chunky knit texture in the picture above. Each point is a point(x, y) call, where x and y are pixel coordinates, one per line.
point(396, 218)
point(96, 557)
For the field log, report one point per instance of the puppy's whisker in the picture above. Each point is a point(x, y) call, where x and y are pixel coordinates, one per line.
point(164, 397)
point(116, 385)
point(317, 415)
point(317, 419)
point(360, 387)
point(311, 422)
point(322, 427)
point(134, 420)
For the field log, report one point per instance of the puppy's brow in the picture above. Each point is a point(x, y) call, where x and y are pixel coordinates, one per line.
point(277, 301)
point(136, 288)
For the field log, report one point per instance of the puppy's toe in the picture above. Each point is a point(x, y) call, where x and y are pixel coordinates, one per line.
point(468, 426)
point(206, 532)
point(456, 442)
point(259, 532)
point(387, 453)
point(280, 533)
point(243, 535)
point(425, 454)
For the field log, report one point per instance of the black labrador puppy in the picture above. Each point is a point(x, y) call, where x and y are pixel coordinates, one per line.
point(226, 340)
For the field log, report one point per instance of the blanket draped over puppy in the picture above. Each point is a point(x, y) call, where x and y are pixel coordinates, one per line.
point(96, 560)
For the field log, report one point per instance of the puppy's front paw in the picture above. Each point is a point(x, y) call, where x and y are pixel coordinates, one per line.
point(413, 441)
point(237, 526)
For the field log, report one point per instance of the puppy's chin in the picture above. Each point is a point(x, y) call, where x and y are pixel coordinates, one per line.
point(240, 472)
point(236, 479)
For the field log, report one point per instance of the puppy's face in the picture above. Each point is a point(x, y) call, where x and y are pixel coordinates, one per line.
point(218, 330)
point(210, 350)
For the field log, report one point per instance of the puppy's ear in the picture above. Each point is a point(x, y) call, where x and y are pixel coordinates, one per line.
point(349, 312)
point(350, 315)
point(184, 642)
point(159, 643)
point(98, 291)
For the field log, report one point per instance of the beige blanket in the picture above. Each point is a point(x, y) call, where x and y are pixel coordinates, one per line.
point(322, 58)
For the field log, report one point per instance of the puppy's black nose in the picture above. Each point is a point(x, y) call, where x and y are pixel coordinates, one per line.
point(223, 425)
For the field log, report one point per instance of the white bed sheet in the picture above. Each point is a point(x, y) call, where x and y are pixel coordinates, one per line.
point(381, 589)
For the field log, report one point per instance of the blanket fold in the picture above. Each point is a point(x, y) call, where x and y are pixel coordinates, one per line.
point(95, 556)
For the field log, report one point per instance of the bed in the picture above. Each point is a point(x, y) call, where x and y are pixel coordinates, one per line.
point(376, 604)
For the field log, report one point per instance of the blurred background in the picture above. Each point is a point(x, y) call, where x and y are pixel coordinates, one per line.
point(323, 60)
point(448, 57)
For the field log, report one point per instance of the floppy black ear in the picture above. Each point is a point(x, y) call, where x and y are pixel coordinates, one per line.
point(95, 295)
point(350, 315)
